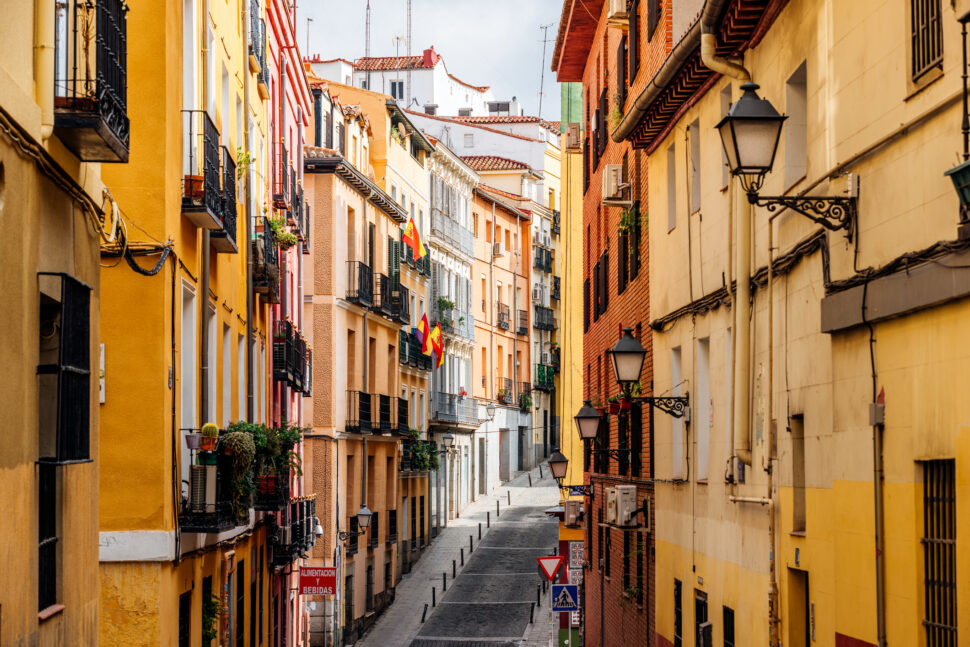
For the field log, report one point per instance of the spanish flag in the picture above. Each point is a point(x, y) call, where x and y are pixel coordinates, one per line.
point(424, 334)
point(437, 344)
point(413, 239)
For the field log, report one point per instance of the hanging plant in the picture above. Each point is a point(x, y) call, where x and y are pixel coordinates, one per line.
point(616, 114)
point(211, 610)
point(240, 446)
point(244, 160)
point(284, 236)
point(445, 304)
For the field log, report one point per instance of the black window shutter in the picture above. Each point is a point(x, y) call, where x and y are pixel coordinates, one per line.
point(634, 46)
point(621, 71)
point(586, 154)
point(596, 292)
point(596, 142)
point(636, 438)
point(602, 121)
point(605, 278)
point(635, 244)
point(586, 305)
point(621, 266)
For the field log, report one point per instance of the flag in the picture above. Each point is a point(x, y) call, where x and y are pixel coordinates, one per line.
point(424, 334)
point(413, 239)
point(437, 344)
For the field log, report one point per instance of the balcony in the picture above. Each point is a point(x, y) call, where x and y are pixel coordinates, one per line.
point(281, 181)
point(503, 390)
point(523, 328)
point(294, 537)
point(544, 378)
point(402, 425)
point(201, 185)
point(305, 228)
point(360, 284)
point(290, 356)
point(541, 258)
point(91, 82)
point(359, 412)
point(266, 264)
point(416, 455)
point(555, 288)
point(555, 359)
point(384, 290)
point(409, 352)
point(208, 507)
point(555, 222)
point(452, 233)
point(544, 319)
point(272, 491)
point(224, 240)
point(402, 304)
point(502, 318)
point(452, 408)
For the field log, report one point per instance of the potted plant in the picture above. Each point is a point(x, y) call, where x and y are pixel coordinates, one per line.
point(462, 392)
point(211, 610)
point(613, 404)
point(240, 446)
point(210, 435)
point(192, 439)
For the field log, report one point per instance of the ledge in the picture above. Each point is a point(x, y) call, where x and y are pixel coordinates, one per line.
point(50, 612)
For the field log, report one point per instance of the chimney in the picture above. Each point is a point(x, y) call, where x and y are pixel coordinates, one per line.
point(430, 57)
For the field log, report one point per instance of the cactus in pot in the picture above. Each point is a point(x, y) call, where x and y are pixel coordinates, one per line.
point(210, 434)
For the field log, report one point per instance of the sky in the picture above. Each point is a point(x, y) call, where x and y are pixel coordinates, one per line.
point(484, 42)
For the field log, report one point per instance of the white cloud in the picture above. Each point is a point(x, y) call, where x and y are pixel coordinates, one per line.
point(484, 42)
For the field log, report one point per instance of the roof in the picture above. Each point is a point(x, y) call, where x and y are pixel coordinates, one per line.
point(372, 63)
point(490, 194)
point(479, 88)
point(398, 116)
point(509, 119)
point(494, 163)
point(454, 120)
point(499, 192)
point(327, 160)
point(316, 59)
point(577, 27)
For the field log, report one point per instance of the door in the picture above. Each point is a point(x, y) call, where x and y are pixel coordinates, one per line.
point(481, 466)
point(504, 448)
point(799, 625)
point(702, 628)
point(521, 435)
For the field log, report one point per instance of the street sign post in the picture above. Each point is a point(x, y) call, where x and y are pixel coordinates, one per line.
point(550, 565)
point(565, 597)
point(316, 580)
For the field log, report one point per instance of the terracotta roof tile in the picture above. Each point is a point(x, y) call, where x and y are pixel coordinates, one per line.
point(510, 119)
point(454, 120)
point(479, 88)
point(494, 163)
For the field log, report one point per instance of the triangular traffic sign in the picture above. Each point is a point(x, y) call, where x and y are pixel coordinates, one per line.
point(550, 565)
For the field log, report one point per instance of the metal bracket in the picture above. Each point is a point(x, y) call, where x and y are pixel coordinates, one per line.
point(618, 454)
point(676, 406)
point(344, 535)
point(832, 212)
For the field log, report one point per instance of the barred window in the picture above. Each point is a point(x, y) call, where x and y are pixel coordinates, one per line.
point(47, 536)
point(939, 552)
point(634, 46)
point(927, 37)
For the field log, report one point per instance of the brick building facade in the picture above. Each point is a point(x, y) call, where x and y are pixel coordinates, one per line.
point(615, 59)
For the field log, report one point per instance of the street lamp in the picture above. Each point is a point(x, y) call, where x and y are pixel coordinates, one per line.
point(750, 133)
point(448, 440)
point(587, 421)
point(490, 410)
point(559, 464)
point(363, 522)
point(627, 357)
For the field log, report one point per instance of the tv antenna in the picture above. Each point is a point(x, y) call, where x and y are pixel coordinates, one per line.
point(542, 72)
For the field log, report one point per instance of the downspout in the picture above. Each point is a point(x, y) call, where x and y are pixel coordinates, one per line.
point(774, 620)
point(204, 281)
point(250, 405)
point(44, 12)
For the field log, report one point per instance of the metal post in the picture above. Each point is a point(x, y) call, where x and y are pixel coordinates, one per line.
point(433, 600)
point(530, 483)
point(479, 531)
point(454, 570)
point(540, 470)
point(488, 519)
point(424, 613)
point(538, 594)
point(532, 611)
point(509, 492)
point(462, 556)
point(966, 116)
point(444, 581)
point(470, 546)
point(498, 512)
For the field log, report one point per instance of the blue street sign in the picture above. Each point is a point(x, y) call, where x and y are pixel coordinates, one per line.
point(565, 597)
point(576, 490)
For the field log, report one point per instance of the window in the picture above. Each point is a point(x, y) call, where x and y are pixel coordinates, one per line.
point(636, 437)
point(799, 610)
point(677, 424)
point(596, 292)
point(240, 602)
point(641, 558)
point(586, 153)
point(634, 237)
point(422, 519)
point(634, 46)
point(939, 552)
point(185, 619)
point(703, 424)
point(475, 224)
point(671, 188)
point(397, 89)
point(623, 254)
point(586, 306)
point(226, 376)
point(725, 107)
point(927, 37)
point(796, 131)
point(599, 536)
point(728, 621)
point(621, 73)
point(797, 428)
point(678, 615)
point(605, 280)
point(431, 109)
point(465, 112)
point(369, 589)
point(47, 575)
point(608, 551)
point(64, 368)
point(414, 522)
point(653, 17)
point(626, 563)
point(469, 140)
point(702, 628)
point(694, 138)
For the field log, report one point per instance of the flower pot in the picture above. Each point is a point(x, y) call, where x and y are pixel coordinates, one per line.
point(207, 443)
point(267, 484)
point(207, 458)
point(194, 187)
point(614, 408)
point(192, 440)
point(626, 404)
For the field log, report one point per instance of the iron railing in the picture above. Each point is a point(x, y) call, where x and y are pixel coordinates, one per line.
point(208, 506)
point(541, 258)
point(554, 294)
point(452, 233)
point(384, 288)
point(555, 222)
point(555, 359)
point(305, 229)
point(409, 352)
point(292, 539)
point(391, 526)
point(224, 240)
point(360, 283)
point(402, 304)
point(201, 186)
point(415, 456)
point(503, 390)
point(544, 319)
point(91, 82)
point(544, 378)
point(502, 318)
point(272, 491)
point(403, 416)
point(382, 422)
point(266, 262)
point(523, 328)
point(281, 183)
point(359, 412)
point(291, 356)
point(449, 407)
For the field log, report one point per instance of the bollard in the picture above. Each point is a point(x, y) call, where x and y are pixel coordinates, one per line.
point(555, 550)
point(498, 512)
point(530, 479)
point(470, 548)
point(454, 571)
point(462, 556)
point(424, 613)
point(479, 531)
point(433, 601)
point(509, 492)
point(540, 470)
point(538, 594)
point(488, 519)
point(532, 611)
point(444, 582)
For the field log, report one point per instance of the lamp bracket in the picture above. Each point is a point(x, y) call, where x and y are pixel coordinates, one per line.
point(582, 490)
point(618, 454)
point(832, 212)
point(677, 406)
point(344, 535)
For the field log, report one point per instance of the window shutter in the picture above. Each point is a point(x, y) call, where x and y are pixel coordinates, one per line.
point(634, 45)
point(635, 244)
point(621, 266)
point(597, 295)
point(328, 125)
point(653, 17)
point(586, 154)
point(586, 305)
point(602, 121)
point(621, 71)
point(605, 278)
point(636, 438)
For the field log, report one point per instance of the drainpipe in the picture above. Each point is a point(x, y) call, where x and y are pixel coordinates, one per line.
point(250, 404)
point(44, 65)
point(317, 117)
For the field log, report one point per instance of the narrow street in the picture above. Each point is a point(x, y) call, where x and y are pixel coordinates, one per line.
point(489, 602)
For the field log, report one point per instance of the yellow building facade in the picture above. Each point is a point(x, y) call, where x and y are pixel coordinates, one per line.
point(183, 347)
point(57, 125)
point(814, 496)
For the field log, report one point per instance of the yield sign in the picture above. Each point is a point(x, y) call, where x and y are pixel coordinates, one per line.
point(550, 565)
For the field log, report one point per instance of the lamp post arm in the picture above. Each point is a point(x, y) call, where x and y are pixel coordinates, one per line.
point(832, 212)
point(677, 406)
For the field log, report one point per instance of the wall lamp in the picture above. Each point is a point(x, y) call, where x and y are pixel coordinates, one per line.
point(749, 133)
point(558, 464)
point(627, 358)
point(363, 522)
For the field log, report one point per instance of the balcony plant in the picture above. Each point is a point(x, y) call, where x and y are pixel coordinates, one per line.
point(192, 440)
point(211, 610)
point(613, 403)
point(210, 435)
point(525, 401)
point(240, 446)
point(504, 394)
point(244, 160)
point(445, 304)
point(284, 236)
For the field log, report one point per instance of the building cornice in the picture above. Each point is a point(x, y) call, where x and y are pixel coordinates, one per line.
point(319, 161)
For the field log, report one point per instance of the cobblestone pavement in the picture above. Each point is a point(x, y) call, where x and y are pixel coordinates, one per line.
point(488, 604)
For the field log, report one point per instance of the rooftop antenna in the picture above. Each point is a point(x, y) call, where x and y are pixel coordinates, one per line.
point(542, 73)
point(308, 21)
point(367, 42)
point(408, 43)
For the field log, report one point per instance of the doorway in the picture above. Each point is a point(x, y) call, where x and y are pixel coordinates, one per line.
point(799, 621)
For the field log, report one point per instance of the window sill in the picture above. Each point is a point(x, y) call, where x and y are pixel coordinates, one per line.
point(928, 79)
point(797, 533)
point(50, 612)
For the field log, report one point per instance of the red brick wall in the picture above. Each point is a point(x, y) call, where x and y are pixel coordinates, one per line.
point(624, 620)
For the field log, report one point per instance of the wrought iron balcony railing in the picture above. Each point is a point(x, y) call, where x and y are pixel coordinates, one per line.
point(292, 538)
point(523, 328)
point(360, 283)
point(402, 304)
point(224, 240)
point(266, 261)
point(555, 359)
point(556, 222)
point(281, 181)
point(544, 319)
point(403, 416)
point(449, 407)
point(452, 233)
point(409, 352)
point(503, 390)
point(291, 356)
point(359, 412)
point(416, 455)
point(91, 78)
point(544, 377)
point(502, 315)
point(207, 508)
point(201, 184)
point(554, 294)
point(272, 491)
point(305, 229)
point(541, 258)
point(384, 289)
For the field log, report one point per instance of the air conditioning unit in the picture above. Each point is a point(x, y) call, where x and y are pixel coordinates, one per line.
point(617, 15)
point(202, 493)
point(572, 513)
point(626, 505)
point(573, 133)
point(613, 184)
point(611, 505)
point(498, 249)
